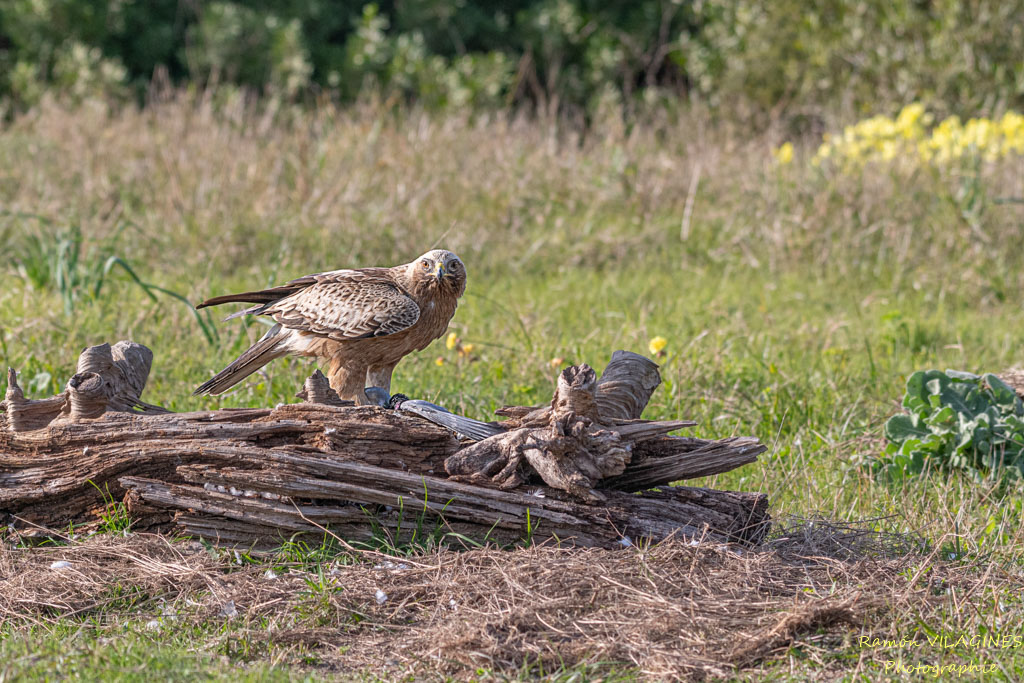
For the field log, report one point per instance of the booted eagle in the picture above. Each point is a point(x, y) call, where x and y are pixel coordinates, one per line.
point(359, 323)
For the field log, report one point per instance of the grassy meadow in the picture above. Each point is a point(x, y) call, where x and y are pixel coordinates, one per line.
point(795, 299)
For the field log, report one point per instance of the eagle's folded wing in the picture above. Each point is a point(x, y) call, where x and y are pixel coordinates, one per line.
point(346, 308)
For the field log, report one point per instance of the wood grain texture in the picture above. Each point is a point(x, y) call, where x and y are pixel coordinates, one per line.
point(359, 493)
point(576, 443)
point(256, 476)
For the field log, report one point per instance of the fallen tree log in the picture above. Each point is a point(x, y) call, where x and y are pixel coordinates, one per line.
point(401, 500)
point(567, 471)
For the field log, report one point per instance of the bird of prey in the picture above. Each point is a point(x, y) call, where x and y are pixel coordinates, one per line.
point(359, 322)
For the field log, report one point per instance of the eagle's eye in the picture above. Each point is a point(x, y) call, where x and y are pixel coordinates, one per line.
point(425, 265)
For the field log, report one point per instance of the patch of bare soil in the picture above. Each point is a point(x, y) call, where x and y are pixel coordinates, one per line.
point(679, 610)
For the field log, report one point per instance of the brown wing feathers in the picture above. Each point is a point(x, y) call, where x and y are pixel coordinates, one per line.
point(263, 297)
point(344, 309)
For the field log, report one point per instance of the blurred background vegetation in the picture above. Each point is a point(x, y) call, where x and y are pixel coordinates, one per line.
point(745, 58)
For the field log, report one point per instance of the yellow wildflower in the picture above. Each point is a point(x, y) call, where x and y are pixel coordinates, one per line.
point(784, 154)
point(889, 150)
point(451, 341)
point(466, 349)
point(556, 362)
point(439, 361)
point(1012, 128)
point(912, 120)
point(912, 138)
point(657, 345)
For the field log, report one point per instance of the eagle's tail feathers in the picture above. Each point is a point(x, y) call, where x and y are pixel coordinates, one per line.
point(272, 345)
point(252, 310)
point(262, 296)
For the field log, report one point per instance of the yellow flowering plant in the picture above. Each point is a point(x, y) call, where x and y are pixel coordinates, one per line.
point(453, 343)
point(910, 137)
point(657, 346)
point(784, 154)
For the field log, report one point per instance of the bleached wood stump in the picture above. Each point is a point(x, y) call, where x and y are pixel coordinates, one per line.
point(569, 471)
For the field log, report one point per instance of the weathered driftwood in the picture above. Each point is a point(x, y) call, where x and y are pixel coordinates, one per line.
point(622, 393)
point(278, 498)
point(107, 378)
point(568, 444)
point(259, 475)
point(677, 458)
point(54, 475)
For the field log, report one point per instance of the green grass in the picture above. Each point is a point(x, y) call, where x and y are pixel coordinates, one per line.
point(134, 652)
point(128, 652)
point(795, 302)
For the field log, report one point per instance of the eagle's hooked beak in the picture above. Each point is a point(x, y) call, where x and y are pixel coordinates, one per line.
point(439, 272)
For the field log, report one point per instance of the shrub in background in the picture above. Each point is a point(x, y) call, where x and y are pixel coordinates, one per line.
point(250, 48)
point(748, 58)
point(953, 55)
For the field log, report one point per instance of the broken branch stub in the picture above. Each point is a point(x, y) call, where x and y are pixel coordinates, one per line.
point(317, 389)
point(87, 396)
point(575, 393)
point(626, 386)
point(108, 378)
point(24, 415)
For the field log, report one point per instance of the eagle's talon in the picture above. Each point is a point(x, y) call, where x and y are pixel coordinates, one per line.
point(397, 400)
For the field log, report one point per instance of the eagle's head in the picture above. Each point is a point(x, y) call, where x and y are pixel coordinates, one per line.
point(439, 270)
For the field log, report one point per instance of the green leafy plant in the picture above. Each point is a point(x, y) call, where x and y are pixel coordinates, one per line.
point(956, 421)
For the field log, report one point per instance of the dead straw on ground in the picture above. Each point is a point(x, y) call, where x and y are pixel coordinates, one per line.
point(678, 610)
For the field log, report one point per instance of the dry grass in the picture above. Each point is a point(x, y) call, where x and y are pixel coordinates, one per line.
point(674, 611)
point(217, 183)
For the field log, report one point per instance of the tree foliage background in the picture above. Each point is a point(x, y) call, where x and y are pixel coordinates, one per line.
point(785, 57)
